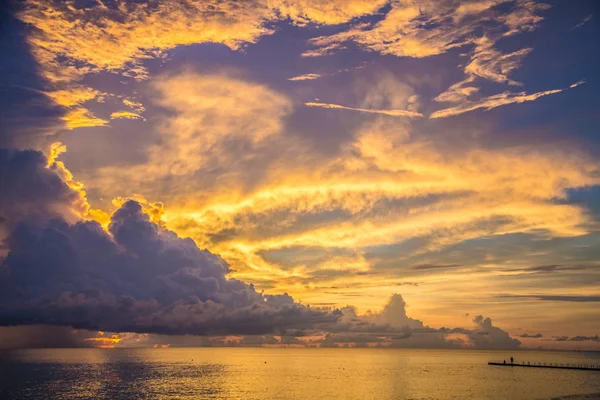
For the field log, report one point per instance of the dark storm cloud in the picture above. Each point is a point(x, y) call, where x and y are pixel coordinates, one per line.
point(138, 277)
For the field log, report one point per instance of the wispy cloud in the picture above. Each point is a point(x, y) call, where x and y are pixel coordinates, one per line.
point(393, 113)
point(125, 115)
point(579, 338)
point(574, 85)
point(434, 28)
point(496, 100)
point(584, 21)
point(562, 298)
point(531, 336)
point(331, 12)
point(79, 117)
point(435, 266)
point(136, 105)
point(306, 77)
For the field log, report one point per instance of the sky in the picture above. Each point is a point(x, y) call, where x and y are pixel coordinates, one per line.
point(396, 173)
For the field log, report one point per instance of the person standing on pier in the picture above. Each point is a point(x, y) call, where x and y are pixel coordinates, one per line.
point(511, 360)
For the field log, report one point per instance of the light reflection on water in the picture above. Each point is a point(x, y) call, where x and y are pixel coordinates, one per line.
point(271, 373)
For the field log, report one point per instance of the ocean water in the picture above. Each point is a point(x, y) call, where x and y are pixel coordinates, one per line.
point(288, 373)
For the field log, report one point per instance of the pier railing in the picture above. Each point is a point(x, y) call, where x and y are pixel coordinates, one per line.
point(539, 364)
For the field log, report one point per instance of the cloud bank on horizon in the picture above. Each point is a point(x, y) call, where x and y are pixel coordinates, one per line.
point(323, 152)
point(138, 277)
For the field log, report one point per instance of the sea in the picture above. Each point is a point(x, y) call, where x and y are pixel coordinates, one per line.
point(291, 373)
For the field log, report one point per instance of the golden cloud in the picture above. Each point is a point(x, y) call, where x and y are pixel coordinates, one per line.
point(81, 208)
point(325, 11)
point(125, 115)
point(242, 182)
point(211, 112)
point(80, 117)
point(70, 42)
point(479, 193)
point(109, 38)
point(137, 106)
point(306, 77)
point(423, 29)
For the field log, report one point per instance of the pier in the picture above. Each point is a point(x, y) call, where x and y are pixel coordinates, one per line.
point(582, 367)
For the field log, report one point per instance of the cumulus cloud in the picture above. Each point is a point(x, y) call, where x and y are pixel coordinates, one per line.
point(31, 190)
point(490, 336)
point(394, 315)
point(392, 318)
point(392, 327)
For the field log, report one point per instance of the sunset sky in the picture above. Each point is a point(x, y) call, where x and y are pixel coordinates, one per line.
point(339, 151)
